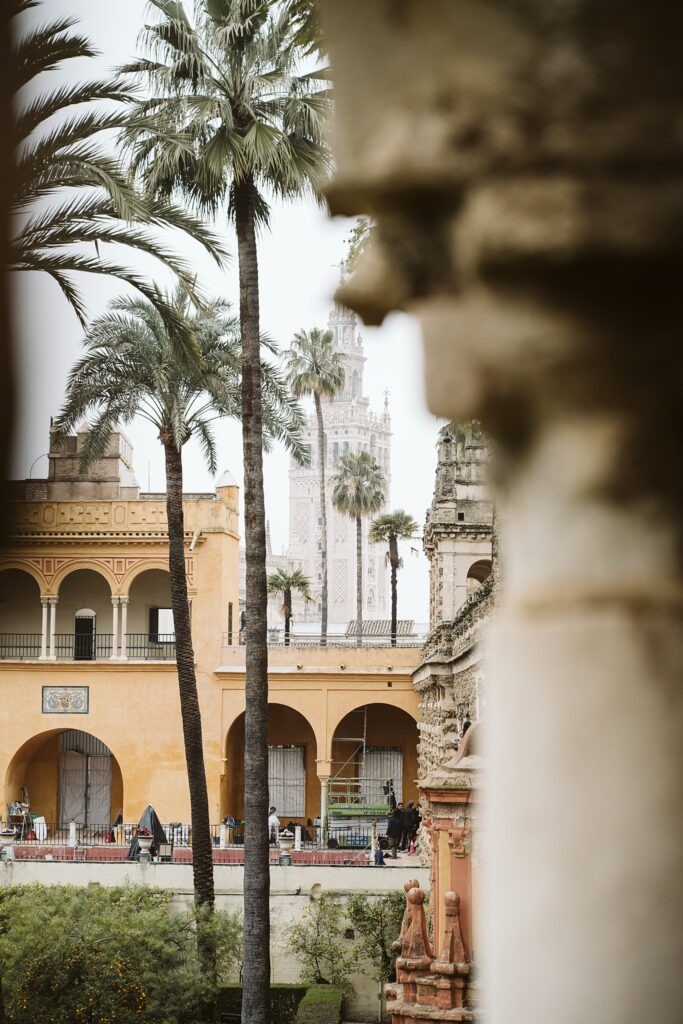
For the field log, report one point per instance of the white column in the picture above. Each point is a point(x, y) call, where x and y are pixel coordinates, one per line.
point(323, 806)
point(43, 638)
point(53, 626)
point(115, 629)
point(124, 628)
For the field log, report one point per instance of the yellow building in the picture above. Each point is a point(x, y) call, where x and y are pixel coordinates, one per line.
point(90, 712)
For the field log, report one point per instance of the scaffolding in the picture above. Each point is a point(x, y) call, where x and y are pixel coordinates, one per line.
point(362, 783)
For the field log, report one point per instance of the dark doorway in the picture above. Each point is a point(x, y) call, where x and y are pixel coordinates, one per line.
point(84, 639)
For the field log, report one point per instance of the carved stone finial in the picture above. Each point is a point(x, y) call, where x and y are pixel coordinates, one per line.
point(452, 961)
point(399, 944)
point(417, 953)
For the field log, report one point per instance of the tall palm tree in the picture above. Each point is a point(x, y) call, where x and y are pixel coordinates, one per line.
point(283, 582)
point(69, 194)
point(129, 370)
point(315, 368)
point(359, 490)
point(231, 122)
point(390, 528)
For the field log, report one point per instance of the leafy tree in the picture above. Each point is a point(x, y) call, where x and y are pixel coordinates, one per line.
point(359, 490)
point(232, 121)
point(95, 954)
point(377, 919)
point(390, 528)
point(315, 368)
point(129, 370)
point(283, 582)
point(318, 944)
point(359, 239)
point(69, 194)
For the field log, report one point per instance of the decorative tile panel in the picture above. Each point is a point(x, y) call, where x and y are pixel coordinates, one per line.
point(66, 700)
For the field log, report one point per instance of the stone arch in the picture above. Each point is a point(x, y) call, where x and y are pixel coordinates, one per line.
point(85, 587)
point(148, 590)
point(389, 728)
point(29, 569)
point(20, 612)
point(137, 569)
point(477, 574)
point(288, 727)
point(78, 565)
point(35, 768)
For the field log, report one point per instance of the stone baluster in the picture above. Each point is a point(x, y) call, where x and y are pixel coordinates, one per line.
point(525, 180)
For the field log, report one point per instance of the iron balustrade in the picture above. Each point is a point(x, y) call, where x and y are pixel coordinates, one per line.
point(19, 646)
point(276, 639)
point(154, 647)
point(83, 647)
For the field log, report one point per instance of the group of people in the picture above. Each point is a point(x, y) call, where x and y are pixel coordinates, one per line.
point(402, 827)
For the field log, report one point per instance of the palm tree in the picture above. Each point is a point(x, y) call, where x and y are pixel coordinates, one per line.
point(231, 122)
point(62, 158)
point(315, 368)
point(283, 582)
point(129, 370)
point(390, 528)
point(359, 490)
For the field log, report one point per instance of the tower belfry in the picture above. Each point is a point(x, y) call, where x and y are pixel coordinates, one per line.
point(350, 426)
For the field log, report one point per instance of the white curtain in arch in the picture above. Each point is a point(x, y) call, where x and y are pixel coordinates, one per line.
point(378, 765)
point(287, 780)
point(73, 774)
point(85, 772)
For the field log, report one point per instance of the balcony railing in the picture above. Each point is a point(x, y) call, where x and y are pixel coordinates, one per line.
point(87, 647)
point(276, 638)
point(160, 647)
point(20, 646)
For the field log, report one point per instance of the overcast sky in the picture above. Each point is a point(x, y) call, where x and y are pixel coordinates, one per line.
point(298, 260)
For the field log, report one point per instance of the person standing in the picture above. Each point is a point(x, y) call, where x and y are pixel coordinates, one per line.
point(408, 823)
point(394, 831)
point(273, 824)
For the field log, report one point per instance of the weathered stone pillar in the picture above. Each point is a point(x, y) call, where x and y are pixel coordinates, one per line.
point(523, 162)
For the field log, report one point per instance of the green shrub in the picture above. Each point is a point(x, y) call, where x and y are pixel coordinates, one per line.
point(318, 944)
point(104, 956)
point(284, 1000)
point(322, 1004)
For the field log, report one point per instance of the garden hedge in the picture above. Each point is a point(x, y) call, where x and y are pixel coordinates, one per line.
point(291, 1004)
point(284, 1000)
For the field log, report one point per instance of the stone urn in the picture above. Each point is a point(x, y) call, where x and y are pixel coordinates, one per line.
point(145, 843)
point(7, 837)
point(286, 841)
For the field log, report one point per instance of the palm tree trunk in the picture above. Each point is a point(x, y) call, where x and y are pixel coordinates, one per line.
point(359, 579)
point(256, 976)
point(393, 560)
point(288, 614)
point(323, 520)
point(202, 853)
